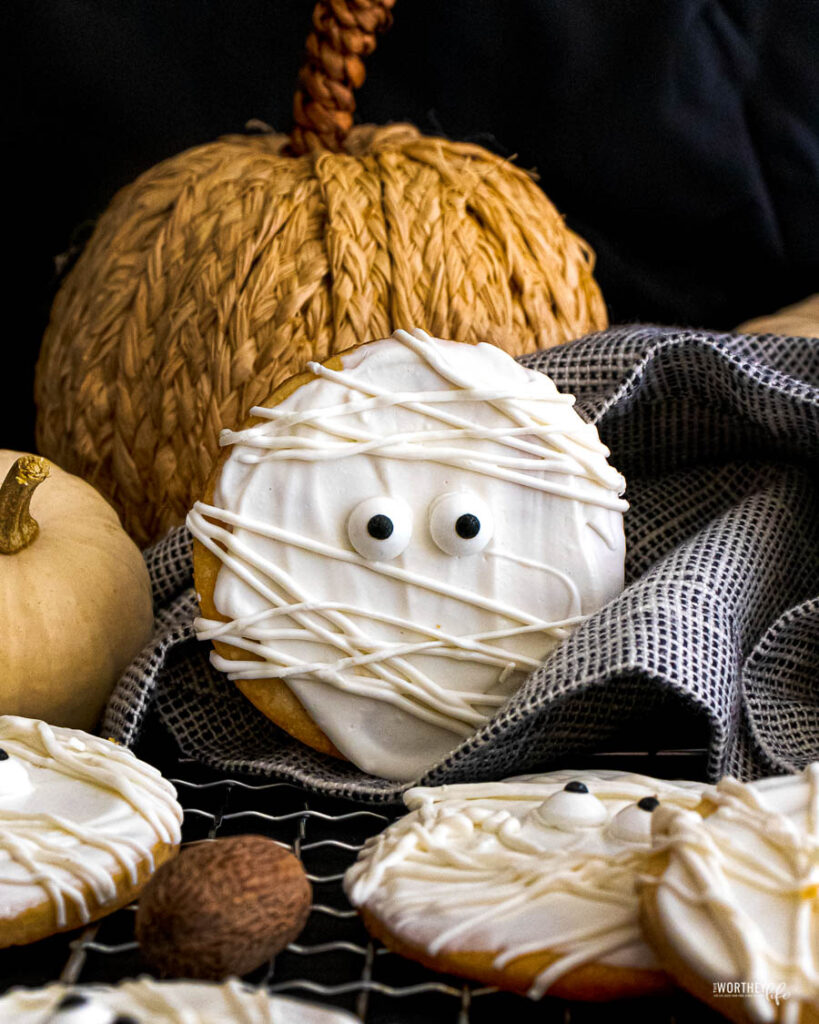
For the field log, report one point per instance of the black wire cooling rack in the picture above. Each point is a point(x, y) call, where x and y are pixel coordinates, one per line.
point(334, 961)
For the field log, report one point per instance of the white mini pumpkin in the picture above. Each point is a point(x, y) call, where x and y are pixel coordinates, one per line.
point(75, 597)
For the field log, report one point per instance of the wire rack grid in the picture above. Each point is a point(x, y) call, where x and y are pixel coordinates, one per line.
point(334, 961)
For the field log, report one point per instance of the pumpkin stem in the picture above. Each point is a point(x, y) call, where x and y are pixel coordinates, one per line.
point(17, 527)
point(344, 32)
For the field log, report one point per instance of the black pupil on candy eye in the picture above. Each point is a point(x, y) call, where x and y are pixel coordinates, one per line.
point(576, 787)
point(3, 755)
point(71, 1000)
point(380, 527)
point(124, 1018)
point(467, 526)
point(648, 803)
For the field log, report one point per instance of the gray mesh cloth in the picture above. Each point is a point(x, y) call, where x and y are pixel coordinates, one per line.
point(714, 641)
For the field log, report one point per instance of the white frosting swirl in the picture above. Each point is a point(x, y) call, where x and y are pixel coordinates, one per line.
point(397, 656)
point(477, 867)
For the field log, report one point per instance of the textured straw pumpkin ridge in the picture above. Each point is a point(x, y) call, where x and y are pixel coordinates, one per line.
point(221, 271)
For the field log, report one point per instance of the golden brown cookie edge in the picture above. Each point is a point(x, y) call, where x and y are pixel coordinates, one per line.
point(40, 921)
point(272, 697)
point(594, 982)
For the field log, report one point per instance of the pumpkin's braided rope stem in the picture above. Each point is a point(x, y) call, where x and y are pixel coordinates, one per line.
point(344, 32)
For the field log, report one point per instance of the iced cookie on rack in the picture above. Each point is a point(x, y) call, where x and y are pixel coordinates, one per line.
point(396, 539)
point(732, 899)
point(528, 884)
point(83, 825)
point(146, 1001)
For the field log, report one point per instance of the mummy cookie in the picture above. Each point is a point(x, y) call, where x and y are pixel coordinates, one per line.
point(83, 824)
point(529, 884)
point(145, 1001)
point(396, 539)
point(732, 904)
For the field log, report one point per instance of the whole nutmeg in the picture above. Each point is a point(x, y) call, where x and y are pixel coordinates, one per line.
point(222, 908)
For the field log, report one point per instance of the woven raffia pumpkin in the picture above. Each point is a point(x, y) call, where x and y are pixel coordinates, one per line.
point(220, 272)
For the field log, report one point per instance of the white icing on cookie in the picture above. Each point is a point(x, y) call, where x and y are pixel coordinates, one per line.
point(90, 808)
point(14, 780)
point(163, 1002)
point(739, 901)
point(479, 868)
point(509, 533)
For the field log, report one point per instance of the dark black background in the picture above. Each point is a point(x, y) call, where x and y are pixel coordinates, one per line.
point(680, 137)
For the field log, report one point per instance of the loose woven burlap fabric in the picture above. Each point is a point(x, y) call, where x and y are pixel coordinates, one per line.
point(714, 641)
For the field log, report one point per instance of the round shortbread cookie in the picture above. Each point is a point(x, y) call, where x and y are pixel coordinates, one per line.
point(146, 1001)
point(731, 902)
point(83, 825)
point(529, 884)
point(396, 539)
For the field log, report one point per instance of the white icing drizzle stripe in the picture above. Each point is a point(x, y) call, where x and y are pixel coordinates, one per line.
point(216, 629)
point(584, 436)
point(343, 640)
point(355, 440)
point(384, 651)
point(132, 780)
point(458, 648)
point(430, 702)
point(605, 943)
point(168, 1002)
point(400, 446)
point(242, 1004)
point(201, 510)
point(381, 400)
point(37, 854)
point(417, 447)
point(562, 577)
point(39, 873)
point(569, 452)
point(49, 847)
point(421, 343)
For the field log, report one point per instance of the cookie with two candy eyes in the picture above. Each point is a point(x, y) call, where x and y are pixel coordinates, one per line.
point(83, 825)
point(730, 900)
point(396, 539)
point(528, 884)
point(145, 1001)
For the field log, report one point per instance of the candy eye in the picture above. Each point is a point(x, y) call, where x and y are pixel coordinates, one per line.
point(572, 807)
point(460, 523)
point(77, 1008)
point(633, 823)
point(380, 528)
point(14, 780)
